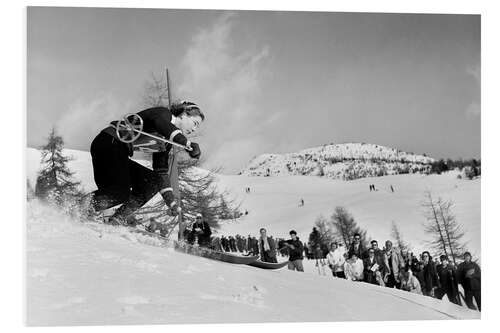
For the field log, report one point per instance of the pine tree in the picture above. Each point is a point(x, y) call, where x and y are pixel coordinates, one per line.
point(345, 226)
point(447, 234)
point(200, 194)
point(396, 235)
point(54, 182)
point(452, 229)
point(326, 234)
point(156, 92)
point(433, 226)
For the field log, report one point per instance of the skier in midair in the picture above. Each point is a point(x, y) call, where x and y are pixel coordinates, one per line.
point(121, 180)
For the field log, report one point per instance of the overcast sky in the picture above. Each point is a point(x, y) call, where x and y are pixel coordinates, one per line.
point(268, 82)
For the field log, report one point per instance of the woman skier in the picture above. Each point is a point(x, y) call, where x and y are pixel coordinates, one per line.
point(120, 180)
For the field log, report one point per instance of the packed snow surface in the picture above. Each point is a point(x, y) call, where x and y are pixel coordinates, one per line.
point(91, 274)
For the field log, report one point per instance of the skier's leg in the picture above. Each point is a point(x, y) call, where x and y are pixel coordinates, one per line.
point(110, 164)
point(145, 184)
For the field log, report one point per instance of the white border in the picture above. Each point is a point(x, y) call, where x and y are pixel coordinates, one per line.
point(13, 52)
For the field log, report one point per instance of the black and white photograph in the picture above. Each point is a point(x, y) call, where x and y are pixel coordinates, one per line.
point(213, 166)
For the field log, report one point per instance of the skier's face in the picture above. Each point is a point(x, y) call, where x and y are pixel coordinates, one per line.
point(188, 124)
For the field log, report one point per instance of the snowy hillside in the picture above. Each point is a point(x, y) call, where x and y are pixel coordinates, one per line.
point(95, 275)
point(339, 161)
point(274, 201)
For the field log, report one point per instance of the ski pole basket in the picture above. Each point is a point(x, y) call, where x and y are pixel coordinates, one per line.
point(129, 128)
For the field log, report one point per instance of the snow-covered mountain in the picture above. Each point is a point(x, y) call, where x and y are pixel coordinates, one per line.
point(340, 161)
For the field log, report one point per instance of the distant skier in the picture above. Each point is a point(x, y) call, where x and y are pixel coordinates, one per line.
point(121, 180)
point(301, 202)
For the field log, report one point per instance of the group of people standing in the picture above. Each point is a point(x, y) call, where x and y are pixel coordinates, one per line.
point(393, 268)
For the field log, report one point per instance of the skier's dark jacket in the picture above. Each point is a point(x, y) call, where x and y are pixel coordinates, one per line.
point(297, 252)
point(157, 121)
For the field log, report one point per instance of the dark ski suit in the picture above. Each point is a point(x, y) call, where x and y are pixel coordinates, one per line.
point(121, 180)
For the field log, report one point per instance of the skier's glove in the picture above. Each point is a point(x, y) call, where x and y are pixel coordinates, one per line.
point(195, 151)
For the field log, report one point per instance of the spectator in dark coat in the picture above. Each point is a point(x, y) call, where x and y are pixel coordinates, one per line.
point(357, 247)
point(267, 247)
point(379, 253)
point(232, 243)
point(295, 251)
point(202, 230)
point(373, 268)
point(448, 280)
point(469, 276)
point(225, 243)
point(430, 279)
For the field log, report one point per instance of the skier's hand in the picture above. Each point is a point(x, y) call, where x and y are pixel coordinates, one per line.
point(195, 151)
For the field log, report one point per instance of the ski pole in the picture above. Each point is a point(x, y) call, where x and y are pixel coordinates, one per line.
point(156, 137)
point(135, 125)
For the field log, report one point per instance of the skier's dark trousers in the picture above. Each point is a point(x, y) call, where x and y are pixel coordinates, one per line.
point(118, 178)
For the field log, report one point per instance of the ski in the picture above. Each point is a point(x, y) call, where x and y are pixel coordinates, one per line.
point(213, 254)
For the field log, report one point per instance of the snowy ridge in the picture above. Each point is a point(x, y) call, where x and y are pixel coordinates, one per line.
point(340, 161)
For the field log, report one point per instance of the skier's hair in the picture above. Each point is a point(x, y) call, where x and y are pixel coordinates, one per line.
point(189, 108)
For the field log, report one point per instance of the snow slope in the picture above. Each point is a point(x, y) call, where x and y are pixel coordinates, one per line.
point(79, 274)
point(274, 203)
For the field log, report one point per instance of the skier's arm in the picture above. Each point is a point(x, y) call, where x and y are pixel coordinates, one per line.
point(160, 162)
point(164, 126)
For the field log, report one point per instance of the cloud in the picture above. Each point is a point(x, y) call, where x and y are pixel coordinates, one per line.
point(475, 72)
point(227, 81)
point(84, 119)
point(473, 110)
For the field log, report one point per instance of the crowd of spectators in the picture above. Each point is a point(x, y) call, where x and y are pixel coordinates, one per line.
point(389, 266)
